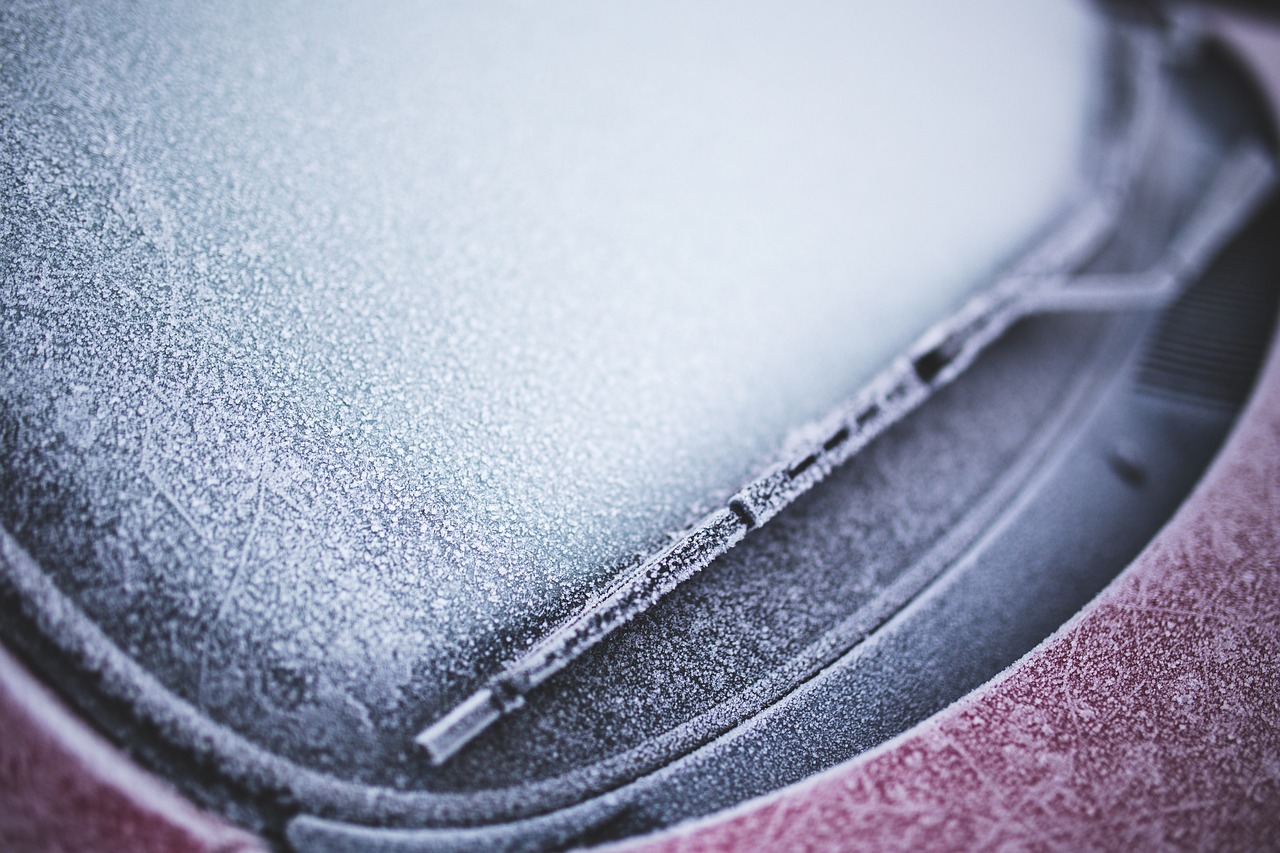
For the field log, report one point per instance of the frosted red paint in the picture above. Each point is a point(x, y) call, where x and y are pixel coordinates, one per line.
point(1150, 721)
point(64, 788)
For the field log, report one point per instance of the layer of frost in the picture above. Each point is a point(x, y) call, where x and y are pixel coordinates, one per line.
point(381, 334)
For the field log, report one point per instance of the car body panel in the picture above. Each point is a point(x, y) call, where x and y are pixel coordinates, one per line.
point(63, 787)
point(1150, 720)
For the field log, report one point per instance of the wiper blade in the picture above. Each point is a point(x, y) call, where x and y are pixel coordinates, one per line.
point(1044, 281)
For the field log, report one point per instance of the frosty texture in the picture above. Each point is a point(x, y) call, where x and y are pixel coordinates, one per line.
point(344, 350)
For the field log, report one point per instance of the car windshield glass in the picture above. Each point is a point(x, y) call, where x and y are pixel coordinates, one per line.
point(421, 322)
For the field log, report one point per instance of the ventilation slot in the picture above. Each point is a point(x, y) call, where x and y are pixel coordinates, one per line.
point(1209, 344)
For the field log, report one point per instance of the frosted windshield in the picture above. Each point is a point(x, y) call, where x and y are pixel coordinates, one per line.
point(491, 298)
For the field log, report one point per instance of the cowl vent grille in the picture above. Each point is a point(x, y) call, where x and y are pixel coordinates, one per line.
point(1209, 344)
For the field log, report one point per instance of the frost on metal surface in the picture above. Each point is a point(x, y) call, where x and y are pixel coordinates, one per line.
point(1150, 721)
point(345, 352)
point(50, 758)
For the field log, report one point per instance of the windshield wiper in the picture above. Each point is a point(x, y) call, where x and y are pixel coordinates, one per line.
point(1044, 281)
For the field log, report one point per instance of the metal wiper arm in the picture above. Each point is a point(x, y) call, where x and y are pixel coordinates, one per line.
point(1044, 281)
point(939, 357)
